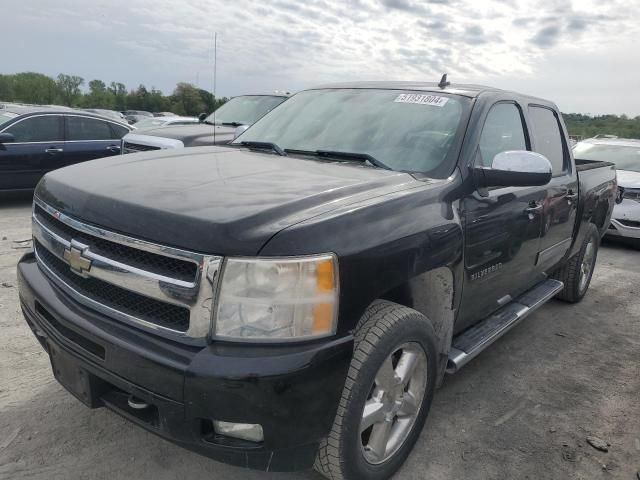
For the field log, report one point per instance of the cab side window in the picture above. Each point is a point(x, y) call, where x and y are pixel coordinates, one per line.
point(47, 128)
point(547, 137)
point(84, 128)
point(502, 131)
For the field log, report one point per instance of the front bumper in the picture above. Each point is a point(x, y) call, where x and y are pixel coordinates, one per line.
point(292, 391)
point(625, 221)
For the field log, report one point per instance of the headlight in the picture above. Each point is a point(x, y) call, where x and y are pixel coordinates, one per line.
point(277, 299)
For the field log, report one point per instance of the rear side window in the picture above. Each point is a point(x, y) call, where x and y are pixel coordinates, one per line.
point(84, 128)
point(502, 131)
point(547, 137)
point(47, 128)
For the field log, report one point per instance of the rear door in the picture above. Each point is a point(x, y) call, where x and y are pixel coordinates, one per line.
point(561, 195)
point(502, 225)
point(37, 147)
point(88, 138)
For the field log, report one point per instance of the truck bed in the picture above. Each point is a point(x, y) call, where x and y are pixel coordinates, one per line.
point(582, 165)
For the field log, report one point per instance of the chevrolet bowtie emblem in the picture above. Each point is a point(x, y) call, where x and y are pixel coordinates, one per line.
point(76, 260)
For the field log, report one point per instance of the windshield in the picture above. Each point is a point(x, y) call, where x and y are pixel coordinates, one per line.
point(625, 157)
point(6, 116)
point(244, 110)
point(403, 130)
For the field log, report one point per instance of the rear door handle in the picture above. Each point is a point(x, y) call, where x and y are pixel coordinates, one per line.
point(113, 148)
point(54, 150)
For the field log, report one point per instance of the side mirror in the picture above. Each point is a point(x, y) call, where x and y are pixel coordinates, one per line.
point(240, 130)
point(516, 168)
point(7, 138)
point(202, 117)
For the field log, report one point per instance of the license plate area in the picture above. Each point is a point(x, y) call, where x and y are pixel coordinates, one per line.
point(79, 382)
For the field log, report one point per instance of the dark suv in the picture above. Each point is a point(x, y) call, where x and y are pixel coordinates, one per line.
point(36, 140)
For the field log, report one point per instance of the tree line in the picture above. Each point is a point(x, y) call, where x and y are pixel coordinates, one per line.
point(73, 91)
point(186, 99)
point(588, 126)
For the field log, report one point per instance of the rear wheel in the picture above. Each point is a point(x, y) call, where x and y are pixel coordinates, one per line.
point(577, 273)
point(386, 397)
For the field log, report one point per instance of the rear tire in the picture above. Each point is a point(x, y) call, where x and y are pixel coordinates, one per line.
point(393, 374)
point(576, 274)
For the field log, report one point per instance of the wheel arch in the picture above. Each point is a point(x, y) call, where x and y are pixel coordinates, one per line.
point(433, 294)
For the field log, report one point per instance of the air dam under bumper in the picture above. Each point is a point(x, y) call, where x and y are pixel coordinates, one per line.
point(292, 391)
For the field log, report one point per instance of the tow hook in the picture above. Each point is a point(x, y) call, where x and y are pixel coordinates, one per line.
point(136, 403)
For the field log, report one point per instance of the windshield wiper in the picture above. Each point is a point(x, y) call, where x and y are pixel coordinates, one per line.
point(363, 157)
point(265, 146)
point(232, 124)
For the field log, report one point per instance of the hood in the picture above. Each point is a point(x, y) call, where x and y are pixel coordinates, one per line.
point(200, 135)
point(628, 179)
point(216, 200)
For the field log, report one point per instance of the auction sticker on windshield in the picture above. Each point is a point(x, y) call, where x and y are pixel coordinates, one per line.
point(421, 99)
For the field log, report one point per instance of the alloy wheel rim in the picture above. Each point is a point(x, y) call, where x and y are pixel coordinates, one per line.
point(393, 403)
point(586, 268)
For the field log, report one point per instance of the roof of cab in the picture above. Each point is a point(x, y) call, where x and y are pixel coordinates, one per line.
point(466, 90)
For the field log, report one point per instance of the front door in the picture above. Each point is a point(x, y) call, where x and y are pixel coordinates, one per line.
point(502, 225)
point(561, 196)
point(37, 144)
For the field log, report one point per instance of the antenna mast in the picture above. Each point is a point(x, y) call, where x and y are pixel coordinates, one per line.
point(215, 67)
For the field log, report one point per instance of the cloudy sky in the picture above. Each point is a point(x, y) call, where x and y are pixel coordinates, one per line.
point(583, 54)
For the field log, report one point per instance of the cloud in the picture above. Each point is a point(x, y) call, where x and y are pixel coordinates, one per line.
point(546, 37)
point(290, 44)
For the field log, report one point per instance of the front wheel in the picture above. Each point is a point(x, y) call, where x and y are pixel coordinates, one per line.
point(386, 397)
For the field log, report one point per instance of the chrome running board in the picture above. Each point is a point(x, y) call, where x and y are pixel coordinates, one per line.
point(474, 340)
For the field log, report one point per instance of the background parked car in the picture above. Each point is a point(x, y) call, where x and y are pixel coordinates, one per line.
point(157, 122)
point(36, 140)
point(219, 128)
point(134, 116)
point(625, 154)
point(133, 119)
point(110, 114)
point(140, 113)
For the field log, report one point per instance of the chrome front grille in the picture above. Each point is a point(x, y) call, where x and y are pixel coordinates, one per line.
point(163, 289)
point(130, 147)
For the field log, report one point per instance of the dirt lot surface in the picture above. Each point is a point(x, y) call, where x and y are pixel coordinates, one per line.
point(521, 410)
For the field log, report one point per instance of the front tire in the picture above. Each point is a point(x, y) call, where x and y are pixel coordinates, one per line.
point(386, 397)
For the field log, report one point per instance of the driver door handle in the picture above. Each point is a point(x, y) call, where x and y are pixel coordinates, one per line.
point(533, 210)
point(534, 207)
point(54, 150)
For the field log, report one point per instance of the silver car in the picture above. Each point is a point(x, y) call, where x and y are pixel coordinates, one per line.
point(625, 154)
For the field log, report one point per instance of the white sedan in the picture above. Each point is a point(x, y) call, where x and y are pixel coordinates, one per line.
point(625, 154)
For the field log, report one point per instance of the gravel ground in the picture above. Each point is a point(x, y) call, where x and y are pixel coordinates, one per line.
point(521, 410)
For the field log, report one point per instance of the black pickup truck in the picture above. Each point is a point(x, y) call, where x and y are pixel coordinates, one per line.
point(294, 298)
